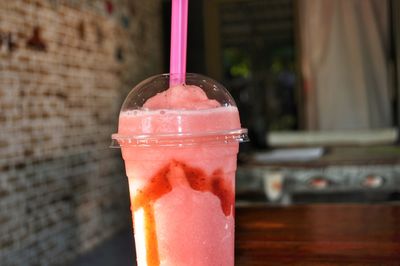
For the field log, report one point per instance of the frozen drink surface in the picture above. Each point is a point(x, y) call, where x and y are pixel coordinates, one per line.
point(182, 196)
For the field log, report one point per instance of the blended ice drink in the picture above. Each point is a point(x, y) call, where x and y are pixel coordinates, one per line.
point(180, 145)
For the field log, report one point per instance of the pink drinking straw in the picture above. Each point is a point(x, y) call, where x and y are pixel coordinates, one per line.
point(179, 16)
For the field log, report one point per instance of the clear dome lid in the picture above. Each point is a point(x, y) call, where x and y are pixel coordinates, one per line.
point(155, 113)
point(160, 83)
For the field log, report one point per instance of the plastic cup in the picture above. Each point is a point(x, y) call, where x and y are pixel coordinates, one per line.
point(181, 163)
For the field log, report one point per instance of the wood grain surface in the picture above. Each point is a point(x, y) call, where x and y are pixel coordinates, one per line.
point(319, 234)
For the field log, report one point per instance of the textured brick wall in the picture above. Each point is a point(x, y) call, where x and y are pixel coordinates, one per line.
point(62, 190)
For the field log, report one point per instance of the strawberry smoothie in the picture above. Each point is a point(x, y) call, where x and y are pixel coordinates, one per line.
point(180, 152)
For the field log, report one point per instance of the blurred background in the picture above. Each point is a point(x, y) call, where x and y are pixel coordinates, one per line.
point(317, 85)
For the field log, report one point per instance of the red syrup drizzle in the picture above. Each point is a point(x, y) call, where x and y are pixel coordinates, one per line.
point(160, 184)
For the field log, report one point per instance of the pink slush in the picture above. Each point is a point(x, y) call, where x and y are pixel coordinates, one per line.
point(182, 194)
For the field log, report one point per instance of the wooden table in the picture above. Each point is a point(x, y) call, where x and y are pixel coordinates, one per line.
point(318, 235)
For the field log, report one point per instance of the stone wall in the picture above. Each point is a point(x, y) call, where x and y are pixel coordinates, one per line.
point(65, 67)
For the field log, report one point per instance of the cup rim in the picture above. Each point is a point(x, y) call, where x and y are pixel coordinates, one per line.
point(179, 139)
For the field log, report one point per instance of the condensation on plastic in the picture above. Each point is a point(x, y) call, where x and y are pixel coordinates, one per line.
point(180, 139)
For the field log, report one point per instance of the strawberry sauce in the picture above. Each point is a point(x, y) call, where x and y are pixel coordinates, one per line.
point(161, 184)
